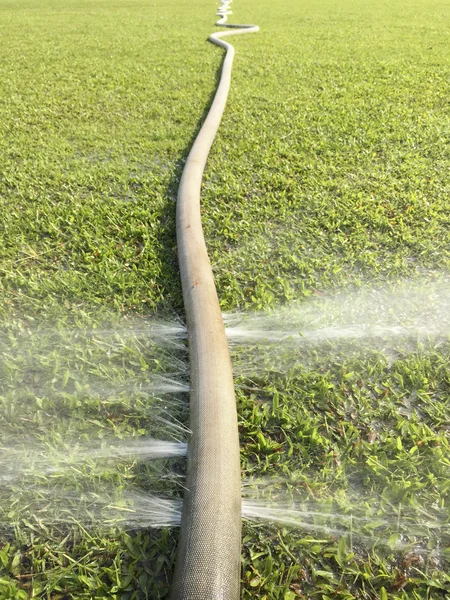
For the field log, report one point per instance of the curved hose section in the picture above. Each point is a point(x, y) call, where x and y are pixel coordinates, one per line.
point(208, 561)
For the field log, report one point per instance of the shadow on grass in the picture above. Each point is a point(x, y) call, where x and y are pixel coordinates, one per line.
point(168, 254)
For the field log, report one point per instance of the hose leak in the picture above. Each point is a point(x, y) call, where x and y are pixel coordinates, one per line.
point(208, 562)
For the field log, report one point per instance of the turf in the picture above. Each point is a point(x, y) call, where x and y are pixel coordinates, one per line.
point(99, 102)
point(329, 173)
point(338, 125)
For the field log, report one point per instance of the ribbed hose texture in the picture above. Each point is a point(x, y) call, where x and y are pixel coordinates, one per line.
point(208, 561)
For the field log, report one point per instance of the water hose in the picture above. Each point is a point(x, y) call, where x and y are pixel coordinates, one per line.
point(209, 550)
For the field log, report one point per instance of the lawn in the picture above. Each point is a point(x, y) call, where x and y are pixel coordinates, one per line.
point(99, 102)
point(329, 174)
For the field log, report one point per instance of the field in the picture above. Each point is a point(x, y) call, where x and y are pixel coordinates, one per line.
point(329, 175)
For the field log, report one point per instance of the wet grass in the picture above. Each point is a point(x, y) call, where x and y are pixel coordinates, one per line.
point(365, 437)
point(329, 173)
point(79, 407)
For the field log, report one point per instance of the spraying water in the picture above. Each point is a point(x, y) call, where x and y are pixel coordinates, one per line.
point(93, 419)
point(30, 458)
point(375, 525)
point(107, 382)
point(343, 402)
point(390, 320)
point(406, 310)
point(129, 367)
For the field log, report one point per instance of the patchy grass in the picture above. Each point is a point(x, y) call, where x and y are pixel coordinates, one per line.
point(329, 172)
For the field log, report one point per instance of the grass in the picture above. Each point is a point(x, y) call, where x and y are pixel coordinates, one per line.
point(370, 442)
point(329, 173)
point(338, 128)
point(98, 105)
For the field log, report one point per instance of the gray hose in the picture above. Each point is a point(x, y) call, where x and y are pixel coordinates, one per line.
point(208, 561)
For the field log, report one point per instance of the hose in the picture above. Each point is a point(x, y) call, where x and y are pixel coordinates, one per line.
point(209, 550)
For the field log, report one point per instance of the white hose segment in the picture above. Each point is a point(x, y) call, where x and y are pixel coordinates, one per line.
point(208, 561)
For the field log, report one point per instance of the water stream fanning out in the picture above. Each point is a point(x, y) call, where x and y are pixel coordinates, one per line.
point(388, 319)
point(93, 421)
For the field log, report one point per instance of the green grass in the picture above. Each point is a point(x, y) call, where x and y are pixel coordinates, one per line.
point(337, 127)
point(329, 173)
point(98, 104)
